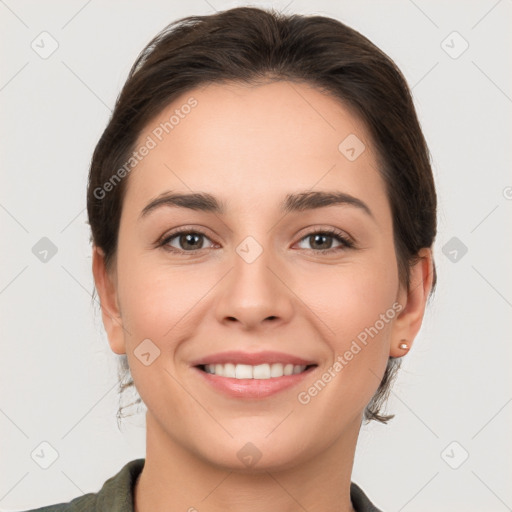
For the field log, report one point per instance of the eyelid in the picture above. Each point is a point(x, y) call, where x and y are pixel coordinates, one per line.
point(312, 230)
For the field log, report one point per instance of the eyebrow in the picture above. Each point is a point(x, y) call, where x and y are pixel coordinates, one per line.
point(297, 202)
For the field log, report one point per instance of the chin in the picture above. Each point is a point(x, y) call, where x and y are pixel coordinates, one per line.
point(257, 453)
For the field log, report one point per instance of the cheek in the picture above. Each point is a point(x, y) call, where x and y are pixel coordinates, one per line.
point(350, 298)
point(356, 308)
point(156, 298)
point(164, 302)
point(157, 304)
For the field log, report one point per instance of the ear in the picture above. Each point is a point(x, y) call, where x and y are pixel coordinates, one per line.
point(408, 322)
point(106, 287)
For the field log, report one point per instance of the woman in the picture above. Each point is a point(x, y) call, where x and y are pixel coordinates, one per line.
point(263, 211)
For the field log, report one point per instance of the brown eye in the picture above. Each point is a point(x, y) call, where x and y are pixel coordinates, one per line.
point(320, 241)
point(323, 241)
point(184, 241)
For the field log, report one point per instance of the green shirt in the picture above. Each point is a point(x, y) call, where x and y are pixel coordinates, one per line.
point(116, 495)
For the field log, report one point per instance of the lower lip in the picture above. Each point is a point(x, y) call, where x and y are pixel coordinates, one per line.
point(253, 388)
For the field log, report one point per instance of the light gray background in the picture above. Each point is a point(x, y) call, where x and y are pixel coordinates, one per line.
point(58, 375)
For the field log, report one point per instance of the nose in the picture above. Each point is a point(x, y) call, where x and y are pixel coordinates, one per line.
point(255, 294)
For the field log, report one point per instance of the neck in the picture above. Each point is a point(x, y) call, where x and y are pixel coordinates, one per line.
point(174, 476)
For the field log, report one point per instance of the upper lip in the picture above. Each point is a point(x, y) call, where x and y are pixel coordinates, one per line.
point(252, 358)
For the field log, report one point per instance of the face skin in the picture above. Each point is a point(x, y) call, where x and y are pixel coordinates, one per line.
point(250, 147)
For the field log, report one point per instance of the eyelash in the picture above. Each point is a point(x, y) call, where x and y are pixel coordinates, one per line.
point(338, 235)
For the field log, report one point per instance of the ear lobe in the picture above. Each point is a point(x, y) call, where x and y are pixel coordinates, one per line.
point(105, 283)
point(408, 322)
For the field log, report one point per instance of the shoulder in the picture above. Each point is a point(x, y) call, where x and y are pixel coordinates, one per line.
point(116, 494)
point(360, 501)
point(82, 503)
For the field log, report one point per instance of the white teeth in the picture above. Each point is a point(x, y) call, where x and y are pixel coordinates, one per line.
point(259, 372)
point(242, 371)
point(296, 369)
point(229, 370)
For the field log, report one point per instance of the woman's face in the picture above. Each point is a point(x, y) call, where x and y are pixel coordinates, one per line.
point(257, 280)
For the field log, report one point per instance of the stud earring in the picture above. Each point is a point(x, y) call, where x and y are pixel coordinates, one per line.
point(403, 346)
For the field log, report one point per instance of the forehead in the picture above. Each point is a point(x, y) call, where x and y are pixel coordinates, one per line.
point(256, 141)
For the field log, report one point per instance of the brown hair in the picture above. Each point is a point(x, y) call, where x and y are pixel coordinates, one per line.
point(252, 45)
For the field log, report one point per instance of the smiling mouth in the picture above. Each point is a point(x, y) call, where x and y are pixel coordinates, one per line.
point(257, 372)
